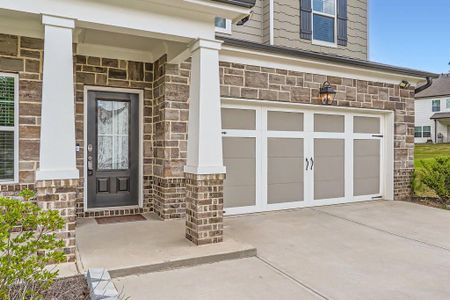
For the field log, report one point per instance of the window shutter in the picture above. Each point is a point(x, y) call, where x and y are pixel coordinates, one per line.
point(305, 19)
point(342, 22)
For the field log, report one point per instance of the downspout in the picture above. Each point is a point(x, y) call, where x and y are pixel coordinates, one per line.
point(425, 86)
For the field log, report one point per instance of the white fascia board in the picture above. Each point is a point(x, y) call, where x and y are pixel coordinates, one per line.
point(130, 16)
point(269, 60)
point(223, 10)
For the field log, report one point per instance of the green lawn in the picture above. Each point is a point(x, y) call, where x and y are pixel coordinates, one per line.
point(423, 152)
point(429, 151)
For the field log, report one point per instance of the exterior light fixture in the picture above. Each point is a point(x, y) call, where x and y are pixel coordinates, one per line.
point(327, 93)
point(404, 84)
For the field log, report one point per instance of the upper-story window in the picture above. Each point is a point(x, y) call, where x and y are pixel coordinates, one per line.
point(448, 103)
point(223, 25)
point(324, 21)
point(9, 128)
point(436, 105)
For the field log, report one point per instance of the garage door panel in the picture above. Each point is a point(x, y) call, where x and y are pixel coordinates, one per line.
point(366, 167)
point(284, 170)
point(239, 147)
point(284, 121)
point(239, 156)
point(366, 125)
point(244, 119)
point(239, 196)
point(329, 169)
point(328, 123)
point(285, 192)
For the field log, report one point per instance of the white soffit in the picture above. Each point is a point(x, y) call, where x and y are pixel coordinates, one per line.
point(269, 60)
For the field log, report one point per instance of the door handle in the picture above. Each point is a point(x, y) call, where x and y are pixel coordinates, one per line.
point(307, 164)
point(90, 166)
point(312, 163)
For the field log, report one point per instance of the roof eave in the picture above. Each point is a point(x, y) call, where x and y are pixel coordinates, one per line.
point(241, 3)
point(326, 57)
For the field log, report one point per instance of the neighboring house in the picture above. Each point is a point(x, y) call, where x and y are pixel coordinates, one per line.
point(124, 107)
point(432, 108)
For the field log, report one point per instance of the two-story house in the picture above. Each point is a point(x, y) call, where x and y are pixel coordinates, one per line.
point(432, 112)
point(199, 108)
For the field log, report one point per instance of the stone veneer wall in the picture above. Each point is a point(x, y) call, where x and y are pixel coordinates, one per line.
point(254, 82)
point(106, 72)
point(23, 56)
point(170, 115)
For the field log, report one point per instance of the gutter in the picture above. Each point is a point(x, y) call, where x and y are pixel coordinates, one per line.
point(241, 3)
point(425, 86)
point(324, 57)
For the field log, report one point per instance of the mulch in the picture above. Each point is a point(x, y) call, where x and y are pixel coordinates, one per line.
point(429, 201)
point(68, 288)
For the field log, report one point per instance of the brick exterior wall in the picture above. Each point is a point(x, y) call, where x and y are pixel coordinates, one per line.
point(106, 72)
point(170, 115)
point(204, 208)
point(61, 195)
point(254, 82)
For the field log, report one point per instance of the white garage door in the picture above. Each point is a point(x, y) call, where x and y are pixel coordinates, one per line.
point(279, 158)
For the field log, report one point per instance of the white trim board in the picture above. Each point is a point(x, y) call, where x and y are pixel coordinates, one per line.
point(140, 93)
point(15, 128)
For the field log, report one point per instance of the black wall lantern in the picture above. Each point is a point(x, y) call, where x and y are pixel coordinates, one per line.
point(327, 93)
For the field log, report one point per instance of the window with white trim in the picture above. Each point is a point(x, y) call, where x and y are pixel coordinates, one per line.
point(223, 25)
point(448, 103)
point(418, 131)
point(436, 105)
point(324, 21)
point(8, 128)
point(426, 131)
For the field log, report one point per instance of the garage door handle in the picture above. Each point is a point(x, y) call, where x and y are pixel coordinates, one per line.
point(312, 163)
point(307, 164)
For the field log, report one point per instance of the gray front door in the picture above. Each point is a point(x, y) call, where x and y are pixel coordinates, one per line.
point(112, 149)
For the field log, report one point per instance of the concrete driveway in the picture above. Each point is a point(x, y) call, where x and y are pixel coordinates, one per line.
point(371, 250)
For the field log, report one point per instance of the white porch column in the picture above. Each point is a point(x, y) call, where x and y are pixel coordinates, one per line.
point(204, 149)
point(57, 147)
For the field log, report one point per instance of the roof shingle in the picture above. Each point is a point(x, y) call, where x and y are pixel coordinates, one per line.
point(439, 87)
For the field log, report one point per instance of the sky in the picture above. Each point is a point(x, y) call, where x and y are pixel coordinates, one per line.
point(406, 33)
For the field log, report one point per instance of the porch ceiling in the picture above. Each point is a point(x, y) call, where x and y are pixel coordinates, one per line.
point(125, 46)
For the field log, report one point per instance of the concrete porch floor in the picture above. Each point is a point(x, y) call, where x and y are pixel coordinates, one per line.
point(147, 246)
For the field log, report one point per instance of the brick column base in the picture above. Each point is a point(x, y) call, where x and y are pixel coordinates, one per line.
point(204, 208)
point(61, 195)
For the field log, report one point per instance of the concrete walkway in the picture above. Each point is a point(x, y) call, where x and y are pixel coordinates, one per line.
point(376, 250)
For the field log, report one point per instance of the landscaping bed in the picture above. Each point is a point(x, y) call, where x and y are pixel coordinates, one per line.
point(425, 154)
point(69, 288)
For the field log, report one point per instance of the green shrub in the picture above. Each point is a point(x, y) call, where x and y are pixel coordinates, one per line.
point(28, 243)
point(436, 175)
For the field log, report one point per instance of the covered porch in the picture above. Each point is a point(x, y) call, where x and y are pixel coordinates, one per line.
point(441, 132)
point(161, 64)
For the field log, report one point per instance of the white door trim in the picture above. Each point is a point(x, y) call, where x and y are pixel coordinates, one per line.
point(140, 94)
point(261, 134)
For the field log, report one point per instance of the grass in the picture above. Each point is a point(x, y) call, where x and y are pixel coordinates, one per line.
point(424, 152)
point(429, 151)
